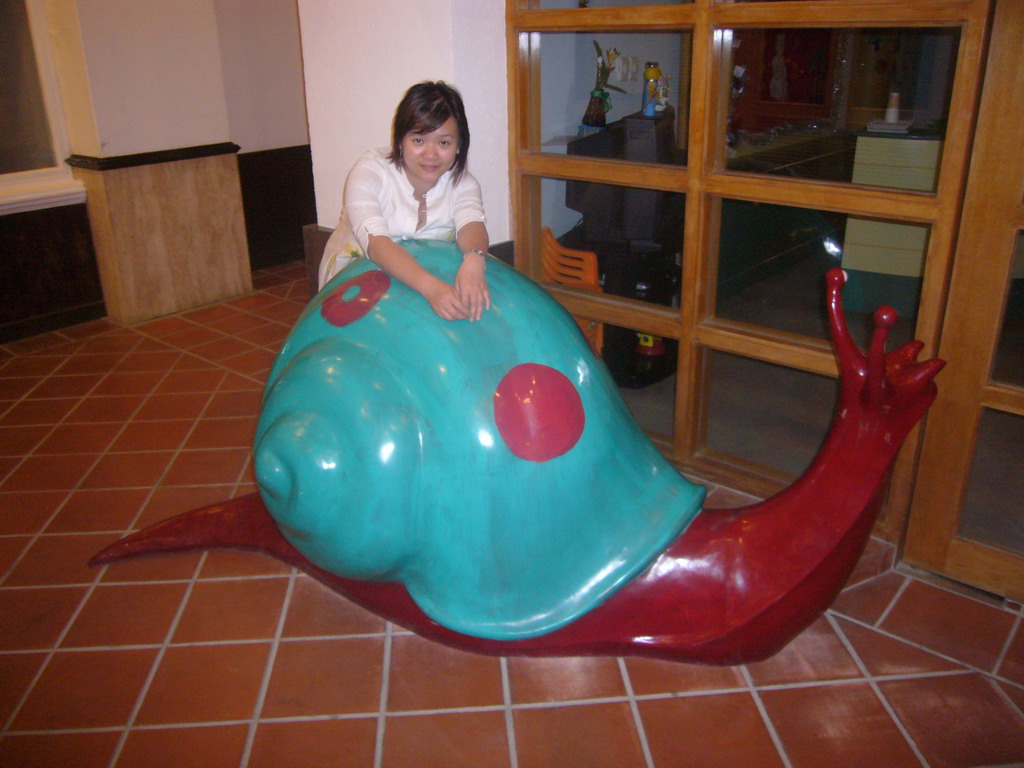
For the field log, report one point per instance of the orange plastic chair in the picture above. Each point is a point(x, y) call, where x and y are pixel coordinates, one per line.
point(567, 266)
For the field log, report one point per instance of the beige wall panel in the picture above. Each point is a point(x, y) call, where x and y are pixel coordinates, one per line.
point(169, 236)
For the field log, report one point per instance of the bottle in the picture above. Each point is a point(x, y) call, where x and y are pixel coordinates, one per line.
point(652, 73)
point(892, 109)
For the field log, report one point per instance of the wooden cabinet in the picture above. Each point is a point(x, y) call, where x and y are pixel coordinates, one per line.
point(902, 194)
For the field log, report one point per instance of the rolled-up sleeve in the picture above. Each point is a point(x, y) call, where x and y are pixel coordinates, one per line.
point(364, 202)
point(468, 204)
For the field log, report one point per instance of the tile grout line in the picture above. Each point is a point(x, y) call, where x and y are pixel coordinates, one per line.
point(91, 587)
point(892, 603)
point(175, 454)
point(261, 696)
point(769, 725)
point(156, 484)
point(70, 491)
point(385, 680)
point(146, 582)
point(565, 704)
point(289, 719)
point(1016, 707)
point(50, 652)
point(877, 690)
point(254, 377)
point(157, 661)
point(510, 729)
point(139, 337)
point(945, 657)
point(181, 354)
point(1007, 644)
point(638, 722)
point(225, 370)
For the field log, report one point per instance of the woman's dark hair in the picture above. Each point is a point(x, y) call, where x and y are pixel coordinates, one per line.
point(425, 108)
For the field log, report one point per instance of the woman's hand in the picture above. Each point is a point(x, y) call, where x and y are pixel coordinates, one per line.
point(396, 261)
point(444, 300)
point(471, 285)
point(465, 300)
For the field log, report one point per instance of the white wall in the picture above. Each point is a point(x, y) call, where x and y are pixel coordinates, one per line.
point(154, 73)
point(360, 57)
point(148, 76)
point(478, 34)
point(262, 67)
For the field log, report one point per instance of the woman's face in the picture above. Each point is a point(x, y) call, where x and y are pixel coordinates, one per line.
point(427, 156)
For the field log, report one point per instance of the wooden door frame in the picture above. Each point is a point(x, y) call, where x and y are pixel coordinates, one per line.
point(993, 217)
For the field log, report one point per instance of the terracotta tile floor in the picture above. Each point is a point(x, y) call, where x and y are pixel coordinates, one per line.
point(232, 659)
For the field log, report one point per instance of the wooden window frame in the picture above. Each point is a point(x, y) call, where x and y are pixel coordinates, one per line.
point(705, 182)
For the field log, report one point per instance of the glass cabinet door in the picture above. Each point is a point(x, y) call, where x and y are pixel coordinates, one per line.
point(966, 520)
point(774, 149)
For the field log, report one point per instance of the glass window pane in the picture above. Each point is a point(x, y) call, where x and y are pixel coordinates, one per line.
point(594, 107)
point(863, 106)
point(772, 261)
point(636, 235)
point(24, 131)
point(767, 414)
point(1009, 361)
point(992, 505)
point(644, 368)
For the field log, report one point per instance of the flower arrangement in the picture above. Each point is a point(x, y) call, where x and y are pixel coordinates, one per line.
point(599, 101)
point(605, 67)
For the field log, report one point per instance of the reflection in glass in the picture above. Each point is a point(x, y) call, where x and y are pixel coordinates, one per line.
point(772, 261)
point(867, 106)
point(636, 234)
point(1009, 361)
point(991, 512)
point(767, 414)
point(643, 367)
point(24, 130)
point(569, 72)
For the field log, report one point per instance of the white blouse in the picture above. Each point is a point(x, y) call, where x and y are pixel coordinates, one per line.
point(379, 201)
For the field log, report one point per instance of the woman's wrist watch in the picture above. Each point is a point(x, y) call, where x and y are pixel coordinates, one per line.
point(477, 251)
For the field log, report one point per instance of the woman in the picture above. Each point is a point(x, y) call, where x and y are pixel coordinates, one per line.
point(417, 188)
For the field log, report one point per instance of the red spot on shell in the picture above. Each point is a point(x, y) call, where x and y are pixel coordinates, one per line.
point(538, 412)
point(354, 298)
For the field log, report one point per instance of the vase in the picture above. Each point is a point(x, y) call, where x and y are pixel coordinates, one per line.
point(594, 116)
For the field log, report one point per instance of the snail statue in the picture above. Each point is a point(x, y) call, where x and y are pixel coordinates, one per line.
point(483, 484)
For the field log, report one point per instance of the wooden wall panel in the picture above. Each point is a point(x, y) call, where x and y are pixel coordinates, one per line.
point(168, 236)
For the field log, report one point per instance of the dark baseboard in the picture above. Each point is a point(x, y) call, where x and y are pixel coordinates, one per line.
point(48, 273)
point(505, 250)
point(278, 199)
point(150, 158)
point(314, 239)
point(34, 326)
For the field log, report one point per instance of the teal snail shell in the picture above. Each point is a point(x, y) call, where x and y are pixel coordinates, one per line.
point(490, 467)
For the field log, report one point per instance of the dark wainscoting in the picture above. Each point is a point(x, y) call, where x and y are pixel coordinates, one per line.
point(48, 274)
point(277, 195)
